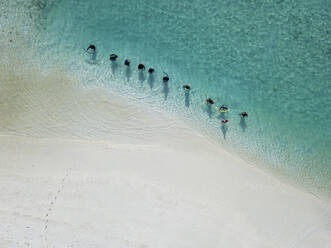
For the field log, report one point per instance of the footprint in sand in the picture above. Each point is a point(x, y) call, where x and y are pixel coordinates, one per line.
point(52, 203)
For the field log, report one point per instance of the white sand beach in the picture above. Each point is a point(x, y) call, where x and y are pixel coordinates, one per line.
point(155, 183)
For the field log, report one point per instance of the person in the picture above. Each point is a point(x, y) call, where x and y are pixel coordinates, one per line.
point(165, 79)
point(150, 70)
point(141, 67)
point(210, 101)
point(91, 47)
point(225, 121)
point(244, 114)
point(127, 62)
point(113, 57)
point(224, 108)
point(187, 87)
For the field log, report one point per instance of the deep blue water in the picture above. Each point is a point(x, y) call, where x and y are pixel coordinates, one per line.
point(268, 58)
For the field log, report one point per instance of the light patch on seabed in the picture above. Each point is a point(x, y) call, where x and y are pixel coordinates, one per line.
point(36, 103)
point(51, 103)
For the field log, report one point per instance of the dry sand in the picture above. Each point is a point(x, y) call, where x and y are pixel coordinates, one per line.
point(171, 188)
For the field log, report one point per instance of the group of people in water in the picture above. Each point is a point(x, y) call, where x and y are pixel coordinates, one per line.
point(113, 57)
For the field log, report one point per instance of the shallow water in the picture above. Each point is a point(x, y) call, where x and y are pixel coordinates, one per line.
point(269, 58)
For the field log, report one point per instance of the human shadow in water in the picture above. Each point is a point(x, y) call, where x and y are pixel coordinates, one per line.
point(187, 99)
point(224, 130)
point(209, 111)
point(141, 77)
point(93, 58)
point(114, 67)
point(243, 124)
point(127, 73)
point(151, 80)
point(165, 90)
point(221, 116)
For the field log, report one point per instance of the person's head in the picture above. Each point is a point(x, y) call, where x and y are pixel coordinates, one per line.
point(113, 57)
point(224, 121)
point(91, 47)
point(187, 87)
point(127, 62)
point(244, 114)
point(165, 79)
point(141, 67)
point(210, 101)
point(150, 70)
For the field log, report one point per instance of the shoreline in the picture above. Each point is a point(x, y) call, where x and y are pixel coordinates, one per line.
point(86, 109)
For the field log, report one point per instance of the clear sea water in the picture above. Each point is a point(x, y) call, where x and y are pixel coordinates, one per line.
point(270, 58)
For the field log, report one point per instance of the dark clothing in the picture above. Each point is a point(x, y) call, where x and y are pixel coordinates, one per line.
point(210, 101)
point(92, 47)
point(224, 107)
point(141, 67)
point(244, 114)
point(165, 79)
point(113, 57)
point(127, 62)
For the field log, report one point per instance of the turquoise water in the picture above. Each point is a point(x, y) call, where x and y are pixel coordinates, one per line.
point(268, 58)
